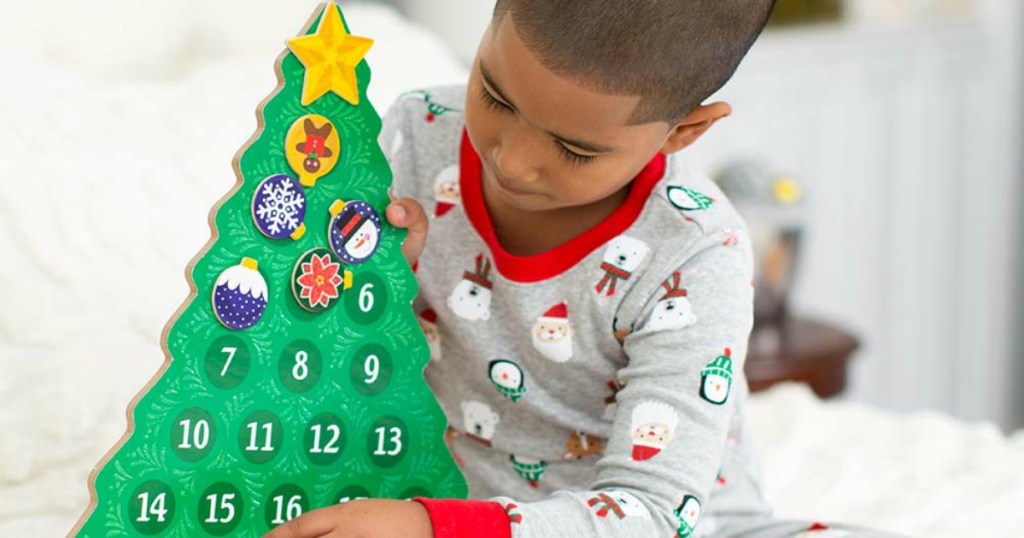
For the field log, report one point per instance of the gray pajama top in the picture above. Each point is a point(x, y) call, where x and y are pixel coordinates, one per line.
point(596, 389)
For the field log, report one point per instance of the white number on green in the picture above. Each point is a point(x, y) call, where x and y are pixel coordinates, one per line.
point(231, 355)
point(200, 435)
point(366, 297)
point(332, 446)
point(158, 508)
point(268, 431)
point(293, 511)
point(225, 504)
point(396, 441)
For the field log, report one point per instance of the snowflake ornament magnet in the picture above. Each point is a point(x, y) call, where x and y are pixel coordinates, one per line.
point(279, 208)
point(354, 231)
point(318, 280)
point(240, 295)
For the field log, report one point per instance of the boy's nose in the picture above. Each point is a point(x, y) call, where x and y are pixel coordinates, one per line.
point(513, 159)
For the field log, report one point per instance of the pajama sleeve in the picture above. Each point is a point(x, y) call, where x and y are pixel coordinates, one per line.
point(685, 353)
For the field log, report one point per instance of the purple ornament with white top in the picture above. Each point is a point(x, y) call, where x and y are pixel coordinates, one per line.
point(279, 207)
point(240, 295)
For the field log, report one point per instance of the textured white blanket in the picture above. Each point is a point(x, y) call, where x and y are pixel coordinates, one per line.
point(104, 193)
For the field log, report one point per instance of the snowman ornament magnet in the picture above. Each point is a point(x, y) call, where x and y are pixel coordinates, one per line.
point(354, 231)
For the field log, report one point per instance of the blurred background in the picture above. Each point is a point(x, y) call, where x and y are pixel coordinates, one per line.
point(876, 149)
point(897, 122)
point(900, 121)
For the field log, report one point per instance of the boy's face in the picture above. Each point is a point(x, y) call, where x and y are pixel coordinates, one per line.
point(544, 140)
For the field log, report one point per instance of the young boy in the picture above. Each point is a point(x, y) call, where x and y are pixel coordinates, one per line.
point(588, 299)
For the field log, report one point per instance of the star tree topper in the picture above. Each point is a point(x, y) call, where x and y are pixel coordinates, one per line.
point(330, 57)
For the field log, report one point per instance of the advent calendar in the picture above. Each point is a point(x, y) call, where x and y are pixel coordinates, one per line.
point(293, 377)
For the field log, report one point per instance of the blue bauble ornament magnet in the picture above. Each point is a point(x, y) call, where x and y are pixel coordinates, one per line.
point(240, 295)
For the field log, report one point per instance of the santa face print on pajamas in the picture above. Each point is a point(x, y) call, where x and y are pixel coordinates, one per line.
point(622, 257)
point(716, 379)
point(687, 514)
point(654, 427)
point(673, 310)
point(552, 334)
point(471, 298)
point(447, 192)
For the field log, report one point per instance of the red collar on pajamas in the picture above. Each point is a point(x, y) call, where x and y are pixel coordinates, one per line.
point(559, 259)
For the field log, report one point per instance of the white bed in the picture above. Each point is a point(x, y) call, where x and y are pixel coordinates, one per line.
point(106, 185)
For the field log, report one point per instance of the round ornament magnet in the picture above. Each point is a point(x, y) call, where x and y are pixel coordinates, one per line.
point(279, 207)
point(312, 148)
point(240, 295)
point(318, 280)
point(354, 231)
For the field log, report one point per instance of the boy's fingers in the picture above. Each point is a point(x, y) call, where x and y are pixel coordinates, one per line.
point(311, 525)
point(407, 213)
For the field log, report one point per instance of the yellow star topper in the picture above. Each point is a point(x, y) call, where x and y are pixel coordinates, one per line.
point(330, 57)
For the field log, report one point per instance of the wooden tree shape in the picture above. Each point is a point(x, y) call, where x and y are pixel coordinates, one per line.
point(293, 376)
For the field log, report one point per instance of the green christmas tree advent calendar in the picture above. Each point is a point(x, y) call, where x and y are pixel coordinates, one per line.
point(294, 371)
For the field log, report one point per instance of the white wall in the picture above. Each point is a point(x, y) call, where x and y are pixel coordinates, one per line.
point(460, 23)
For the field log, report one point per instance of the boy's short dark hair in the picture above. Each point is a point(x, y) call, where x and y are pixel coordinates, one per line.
point(672, 53)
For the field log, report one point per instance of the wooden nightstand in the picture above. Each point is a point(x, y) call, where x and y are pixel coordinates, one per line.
point(800, 350)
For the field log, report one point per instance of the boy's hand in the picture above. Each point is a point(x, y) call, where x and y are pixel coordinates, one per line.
point(363, 518)
point(408, 213)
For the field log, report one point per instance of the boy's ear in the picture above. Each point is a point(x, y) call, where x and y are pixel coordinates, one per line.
point(695, 124)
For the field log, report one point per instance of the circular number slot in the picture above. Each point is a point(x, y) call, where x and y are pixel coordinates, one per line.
point(300, 366)
point(260, 437)
point(220, 508)
point(151, 507)
point(387, 442)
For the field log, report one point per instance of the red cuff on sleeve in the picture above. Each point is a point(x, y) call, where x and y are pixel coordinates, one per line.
point(453, 518)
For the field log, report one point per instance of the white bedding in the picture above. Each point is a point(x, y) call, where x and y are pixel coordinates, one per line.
point(104, 193)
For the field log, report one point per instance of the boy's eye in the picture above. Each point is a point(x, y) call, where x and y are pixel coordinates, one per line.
point(575, 159)
point(491, 102)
